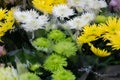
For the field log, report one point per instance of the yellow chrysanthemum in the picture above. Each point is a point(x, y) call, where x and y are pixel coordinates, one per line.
point(112, 25)
point(99, 52)
point(106, 36)
point(112, 28)
point(46, 6)
point(93, 30)
point(7, 23)
point(90, 33)
point(115, 41)
point(86, 38)
point(9, 16)
point(2, 13)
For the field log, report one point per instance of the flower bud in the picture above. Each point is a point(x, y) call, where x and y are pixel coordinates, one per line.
point(100, 19)
point(2, 51)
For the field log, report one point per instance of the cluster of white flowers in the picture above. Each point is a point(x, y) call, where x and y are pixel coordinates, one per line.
point(87, 4)
point(81, 21)
point(30, 19)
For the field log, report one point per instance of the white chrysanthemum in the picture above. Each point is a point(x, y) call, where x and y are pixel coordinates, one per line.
point(30, 19)
point(34, 24)
point(8, 73)
point(76, 3)
point(91, 5)
point(25, 16)
point(43, 19)
point(79, 22)
point(87, 5)
point(31, 25)
point(62, 11)
point(76, 23)
point(102, 3)
point(21, 16)
point(88, 17)
point(32, 13)
point(96, 4)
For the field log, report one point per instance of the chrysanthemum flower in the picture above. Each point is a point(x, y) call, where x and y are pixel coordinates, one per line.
point(76, 23)
point(65, 48)
point(33, 13)
point(8, 73)
point(102, 3)
point(41, 44)
point(90, 33)
point(88, 17)
point(86, 38)
point(92, 4)
point(76, 3)
point(25, 16)
point(106, 36)
point(114, 41)
point(93, 30)
point(63, 75)
point(56, 35)
point(87, 5)
point(6, 21)
point(2, 13)
point(99, 52)
point(35, 24)
point(112, 25)
point(62, 11)
point(55, 62)
point(29, 76)
point(46, 6)
point(79, 22)
point(30, 19)
point(111, 28)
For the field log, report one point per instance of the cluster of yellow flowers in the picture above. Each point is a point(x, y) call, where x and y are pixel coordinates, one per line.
point(108, 31)
point(6, 21)
point(46, 6)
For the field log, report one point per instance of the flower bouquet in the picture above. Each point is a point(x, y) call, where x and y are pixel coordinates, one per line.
point(59, 39)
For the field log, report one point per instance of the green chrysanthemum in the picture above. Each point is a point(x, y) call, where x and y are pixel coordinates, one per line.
point(8, 73)
point(29, 76)
point(68, 39)
point(65, 48)
point(63, 75)
point(56, 35)
point(55, 62)
point(41, 44)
